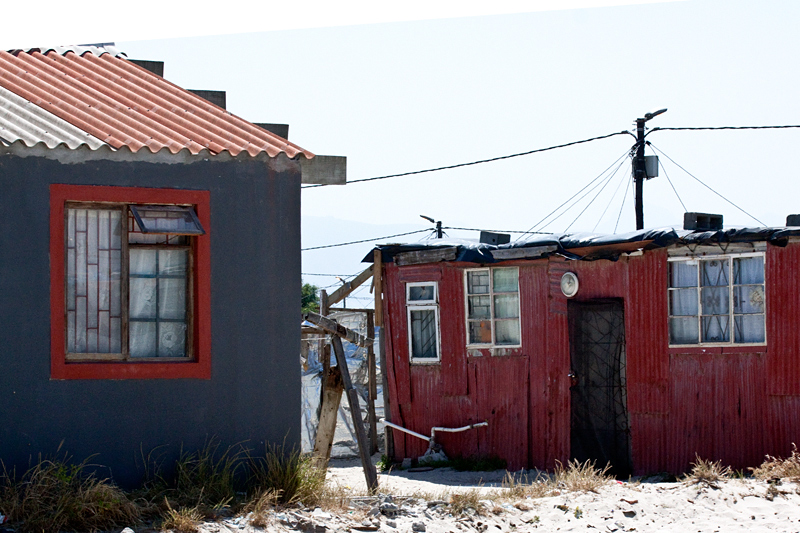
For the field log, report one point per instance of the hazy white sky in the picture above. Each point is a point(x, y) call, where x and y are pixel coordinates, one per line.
point(404, 96)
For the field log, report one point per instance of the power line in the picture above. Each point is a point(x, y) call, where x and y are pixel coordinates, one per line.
point(611, 200)
point(573, 196)
point(706, 186)
point(497, 230)
point(673, 186)
point(479, 161)
point(364, 240)
point(328, 275)
point(702, 128)
point(605, 184)
point(624, 197)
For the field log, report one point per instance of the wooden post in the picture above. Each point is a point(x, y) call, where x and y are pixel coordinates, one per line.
point(330, 398)
point(377, 280)
point(372, 386)
point(370, 473)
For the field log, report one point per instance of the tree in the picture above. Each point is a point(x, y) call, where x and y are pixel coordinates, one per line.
point(310, 299)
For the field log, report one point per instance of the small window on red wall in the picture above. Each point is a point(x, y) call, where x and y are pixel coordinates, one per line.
point(130, 291)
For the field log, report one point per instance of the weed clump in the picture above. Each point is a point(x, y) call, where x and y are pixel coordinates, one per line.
point(580, 477)
point(708, 473)
point(462, 502)
point(286, 473)
point(55, 495)
point(779, 468)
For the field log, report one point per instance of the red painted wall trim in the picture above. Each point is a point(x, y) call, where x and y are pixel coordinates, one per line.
point(700, 350)
point(200, 368)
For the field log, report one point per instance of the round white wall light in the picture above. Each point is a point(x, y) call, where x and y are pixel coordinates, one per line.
point(569, 284)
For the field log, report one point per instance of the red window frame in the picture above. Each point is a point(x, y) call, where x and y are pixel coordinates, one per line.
point(200, 366)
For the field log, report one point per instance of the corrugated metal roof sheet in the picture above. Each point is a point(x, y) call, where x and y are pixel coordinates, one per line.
point(100, 92)
point(23, 121)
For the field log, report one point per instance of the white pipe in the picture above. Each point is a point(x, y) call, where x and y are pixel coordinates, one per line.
point(434, 429)
point(404, 430)
point(456, 430)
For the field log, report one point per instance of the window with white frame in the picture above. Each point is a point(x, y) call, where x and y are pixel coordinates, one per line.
point(493, 307)
point(422, 303)
point(717, 299)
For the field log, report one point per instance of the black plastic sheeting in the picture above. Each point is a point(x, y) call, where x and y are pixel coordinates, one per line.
point(469, 251)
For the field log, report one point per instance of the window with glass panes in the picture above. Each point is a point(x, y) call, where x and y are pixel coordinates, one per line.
point(423, 321)
point(493, 307)
point(717, 300)
point(128, 281)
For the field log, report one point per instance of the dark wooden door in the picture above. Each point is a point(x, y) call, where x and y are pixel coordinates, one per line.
point(598, 393)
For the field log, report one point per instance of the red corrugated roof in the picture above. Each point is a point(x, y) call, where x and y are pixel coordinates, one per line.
point(123, 104)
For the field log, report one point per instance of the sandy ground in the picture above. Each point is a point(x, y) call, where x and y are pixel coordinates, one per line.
point(416, 502)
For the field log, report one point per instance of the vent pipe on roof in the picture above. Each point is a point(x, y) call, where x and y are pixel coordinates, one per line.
point(702, 222)
point(154, 67)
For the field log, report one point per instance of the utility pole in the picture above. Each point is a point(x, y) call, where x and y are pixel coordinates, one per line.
point(438, 226)
point(639, 172)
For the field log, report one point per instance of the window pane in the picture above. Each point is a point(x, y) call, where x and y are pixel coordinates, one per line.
point(479, 307)
point(93, 272)
point(478, 282)
point(143, 298)
point(417, 293)
point(748, 270)
point(749, 328)
point(683, 274)
point(683, 331)
point(683, 302)
point(505, 279)
point(714, 273)
point(171, 339)
point(716, 300)
point(142, 339)
point(715, 329)
point(748, 299)
point(142, 262)
point(480, 332)
point(423, 333)
point(172, 262)
point(507, 332)
point(167, 219)
point(172, 298)
point(506, 306)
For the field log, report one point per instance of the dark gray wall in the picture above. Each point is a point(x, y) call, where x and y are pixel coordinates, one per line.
point(254, 391)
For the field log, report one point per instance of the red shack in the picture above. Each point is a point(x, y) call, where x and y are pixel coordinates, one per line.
point(641, 350)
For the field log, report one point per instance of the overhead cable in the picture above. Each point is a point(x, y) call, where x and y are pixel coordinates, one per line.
point(673, 186)
point(702, 128)
point(364, 240)
point(624, 154)
point(706, 186)
point(481, 161)
point(605, 184)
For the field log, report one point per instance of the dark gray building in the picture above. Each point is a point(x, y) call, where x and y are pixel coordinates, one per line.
point(149, 265)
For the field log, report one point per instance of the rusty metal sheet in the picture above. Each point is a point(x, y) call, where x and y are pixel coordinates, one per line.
point(783, 301)
point(124, 105)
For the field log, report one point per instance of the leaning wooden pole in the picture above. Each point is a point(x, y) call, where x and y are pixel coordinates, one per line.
point(370, 473)
point(377, 280)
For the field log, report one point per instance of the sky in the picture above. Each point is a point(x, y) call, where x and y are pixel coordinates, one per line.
point(410, 90)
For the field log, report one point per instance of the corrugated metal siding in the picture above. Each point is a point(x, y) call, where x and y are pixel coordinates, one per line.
point(455, 380)
point(783, 302)
point(718, 410)
point(123, 104)
point(23, 121)
point(721, 403)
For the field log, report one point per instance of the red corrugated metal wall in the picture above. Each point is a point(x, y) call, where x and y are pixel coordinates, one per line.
point(734, 404)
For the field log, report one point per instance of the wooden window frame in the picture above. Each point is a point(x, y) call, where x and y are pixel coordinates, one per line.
point(424, 305)
point(197, 364)
point(731, 315)
point(493, 319)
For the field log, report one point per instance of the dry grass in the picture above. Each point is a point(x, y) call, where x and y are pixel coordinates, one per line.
point(259, 507)
point(183, 520)
point(519, 487)
point(205, 479)
point(291, 476)
point(708, 473)
point(580, 477)
point(777, 468)
point(460, 502)
point(55, 495)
